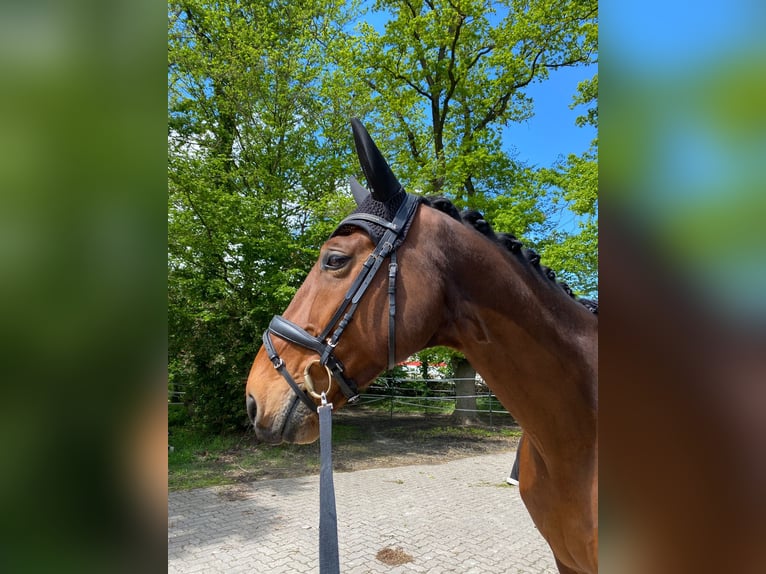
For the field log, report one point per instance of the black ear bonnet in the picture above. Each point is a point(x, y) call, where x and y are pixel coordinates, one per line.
point(385, 196)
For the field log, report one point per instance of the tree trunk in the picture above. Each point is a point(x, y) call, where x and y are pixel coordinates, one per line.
point(465, 408)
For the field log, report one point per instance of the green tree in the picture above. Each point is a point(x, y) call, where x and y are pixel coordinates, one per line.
point(445, 76)
point(254, 167)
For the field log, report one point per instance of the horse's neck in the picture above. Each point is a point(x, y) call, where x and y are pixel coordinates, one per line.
point(534, 346)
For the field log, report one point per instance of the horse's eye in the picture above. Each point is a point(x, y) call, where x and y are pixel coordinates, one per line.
point(335, 261)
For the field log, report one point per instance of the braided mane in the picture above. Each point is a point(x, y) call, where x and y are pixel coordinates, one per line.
point(474, 219)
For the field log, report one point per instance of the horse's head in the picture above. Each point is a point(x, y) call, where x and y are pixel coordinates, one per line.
point(345, 323)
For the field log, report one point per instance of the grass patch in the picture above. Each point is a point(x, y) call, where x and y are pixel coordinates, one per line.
point(462, 432)
point(342, 433)
point(410, 405)
point(198, 460)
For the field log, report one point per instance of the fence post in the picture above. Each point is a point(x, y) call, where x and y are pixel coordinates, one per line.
point(490, 409)
point(390, 400)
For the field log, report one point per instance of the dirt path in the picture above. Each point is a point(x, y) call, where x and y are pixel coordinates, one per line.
point(380, 440)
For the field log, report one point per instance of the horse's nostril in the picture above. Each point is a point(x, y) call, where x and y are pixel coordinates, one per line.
point(251, 408)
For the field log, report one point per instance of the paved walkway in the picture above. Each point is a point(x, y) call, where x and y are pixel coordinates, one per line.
point(459, 517)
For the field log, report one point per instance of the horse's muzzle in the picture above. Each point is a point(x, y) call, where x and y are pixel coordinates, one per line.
point(292, 423)
point(269, 436)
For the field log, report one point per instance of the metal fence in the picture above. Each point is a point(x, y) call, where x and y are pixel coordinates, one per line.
point(433, 396)
point(176, 393)
point(438, 396)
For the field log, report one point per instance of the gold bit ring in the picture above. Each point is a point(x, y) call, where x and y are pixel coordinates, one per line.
point(309, 382)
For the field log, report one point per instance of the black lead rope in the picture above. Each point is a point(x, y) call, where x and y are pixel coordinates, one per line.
point(329, 562)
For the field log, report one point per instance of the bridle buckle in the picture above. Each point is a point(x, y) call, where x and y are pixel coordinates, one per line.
point(277, 362)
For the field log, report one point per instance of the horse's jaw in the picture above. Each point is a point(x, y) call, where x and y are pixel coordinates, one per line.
point(293, 423)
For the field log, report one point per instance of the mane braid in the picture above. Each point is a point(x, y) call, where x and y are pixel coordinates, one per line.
point(508, 241)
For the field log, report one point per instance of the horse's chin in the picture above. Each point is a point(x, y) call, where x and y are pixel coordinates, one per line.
point(295, 424)
point(303, 430)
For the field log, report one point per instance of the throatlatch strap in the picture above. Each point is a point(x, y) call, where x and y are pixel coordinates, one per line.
point(392, 268)
point(329, 562)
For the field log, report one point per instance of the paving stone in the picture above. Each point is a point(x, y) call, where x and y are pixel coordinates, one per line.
point(458, 517)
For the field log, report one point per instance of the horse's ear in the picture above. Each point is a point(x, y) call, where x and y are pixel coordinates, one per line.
point(359, 192)
point(380, 178)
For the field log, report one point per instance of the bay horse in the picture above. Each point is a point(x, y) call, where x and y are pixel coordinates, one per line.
point(450, 281)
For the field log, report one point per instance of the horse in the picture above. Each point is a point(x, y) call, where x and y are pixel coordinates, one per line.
point(450, 282)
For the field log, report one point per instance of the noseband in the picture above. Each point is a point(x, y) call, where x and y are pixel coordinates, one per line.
point(324, 344)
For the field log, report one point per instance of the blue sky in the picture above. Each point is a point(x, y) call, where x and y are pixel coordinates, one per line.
point(551, 132)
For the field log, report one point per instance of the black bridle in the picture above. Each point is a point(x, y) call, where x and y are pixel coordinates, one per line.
point(324, 344)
